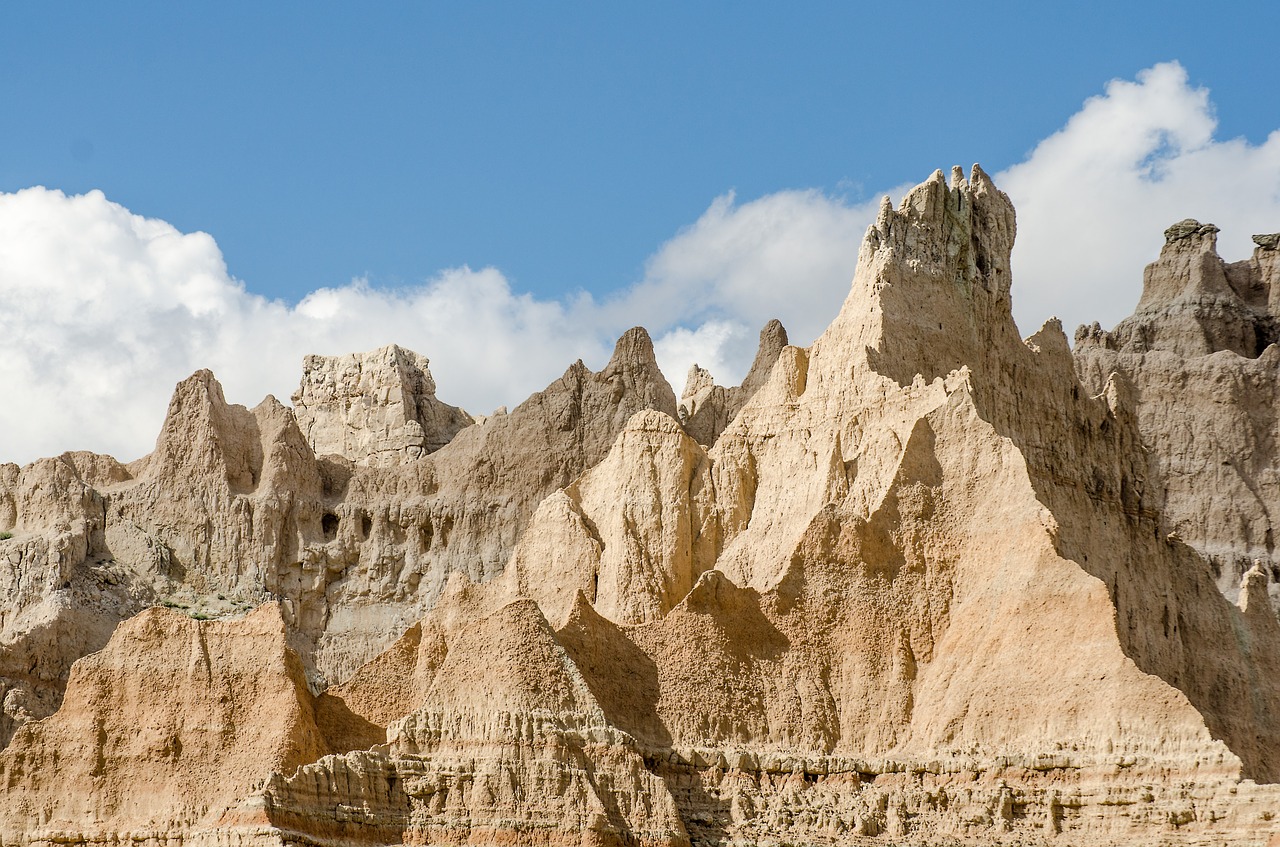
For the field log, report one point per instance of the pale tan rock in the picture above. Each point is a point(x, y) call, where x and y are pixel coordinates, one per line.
point(463, 509)
point(918, 589)
point(632, 534)
point(884, 549)
point(233, 508)
point(59, 603)
point(507, 745)
point(172, 723)
point(706, 408)
point(375, 408)
point(1194, 304)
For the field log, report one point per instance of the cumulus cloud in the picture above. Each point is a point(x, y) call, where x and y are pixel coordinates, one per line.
point(104, 310)
point(1094, 199)
point(709, 290)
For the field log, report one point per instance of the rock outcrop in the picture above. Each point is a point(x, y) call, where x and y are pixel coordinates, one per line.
point(234, 508)
point(913, 584)
point(506, 744)
point(170, 725)
point(375, 408)
point(1200, 359)
point(706, 408)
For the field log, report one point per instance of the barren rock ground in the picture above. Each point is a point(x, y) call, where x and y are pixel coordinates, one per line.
point(922, 582)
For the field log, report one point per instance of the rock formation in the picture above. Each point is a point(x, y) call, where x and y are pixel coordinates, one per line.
point(913, 584)
point(706, 408)
point(376, 408)
point(170, 724)
point(234, 508)
point(1200, 357)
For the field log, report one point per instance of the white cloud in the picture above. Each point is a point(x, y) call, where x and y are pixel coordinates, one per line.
point(707, 292)
point(102, 310)
point(1094, 199)
point(716, 345)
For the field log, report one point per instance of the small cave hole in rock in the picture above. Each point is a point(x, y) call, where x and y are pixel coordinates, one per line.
point(427, 533)
point(329, 524)
point(366, 526)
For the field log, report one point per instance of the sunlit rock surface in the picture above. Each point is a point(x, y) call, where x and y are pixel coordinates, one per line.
point(922, 582)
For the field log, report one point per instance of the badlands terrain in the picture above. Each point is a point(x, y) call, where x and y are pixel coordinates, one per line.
point(923, 582)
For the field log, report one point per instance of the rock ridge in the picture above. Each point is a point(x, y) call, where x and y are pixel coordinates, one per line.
point(917, 583)
point(1199, 354)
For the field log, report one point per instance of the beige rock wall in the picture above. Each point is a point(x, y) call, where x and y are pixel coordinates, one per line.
point(171, 724)
point(233, 508)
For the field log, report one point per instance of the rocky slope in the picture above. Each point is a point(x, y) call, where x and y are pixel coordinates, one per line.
point(234, 508)
point(914, 584)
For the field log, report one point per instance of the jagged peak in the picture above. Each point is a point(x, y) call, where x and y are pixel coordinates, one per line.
point(1050, 338)
point(197, 404)
point(582, 614)
point(706, 408)
point(634, 364)
point(773, 337)
point(413, 368)
point(204, 438)
point(374, 408)
point(634, 347)
point(698, 380)
point(932, 290)
point(1190, 229)
point(1267, 241)
point(1195, 304)
point(937, 225)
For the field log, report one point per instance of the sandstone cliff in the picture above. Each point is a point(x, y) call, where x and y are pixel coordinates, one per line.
point(234, 508)
point(914, 584)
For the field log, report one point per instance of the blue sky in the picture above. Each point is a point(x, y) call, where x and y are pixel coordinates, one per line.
point(507, 187)
point(558, 142)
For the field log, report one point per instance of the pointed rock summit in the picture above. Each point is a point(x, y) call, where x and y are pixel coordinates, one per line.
point(1200, 353)
point(706, 408)
point(1193, 303)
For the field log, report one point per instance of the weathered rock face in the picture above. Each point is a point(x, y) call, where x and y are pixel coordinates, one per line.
point(234, 508)
point(506, 745)
point(1199, 354)
point(706, 408)
point(913, 583)
point(171, 724)
point(376, 408)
